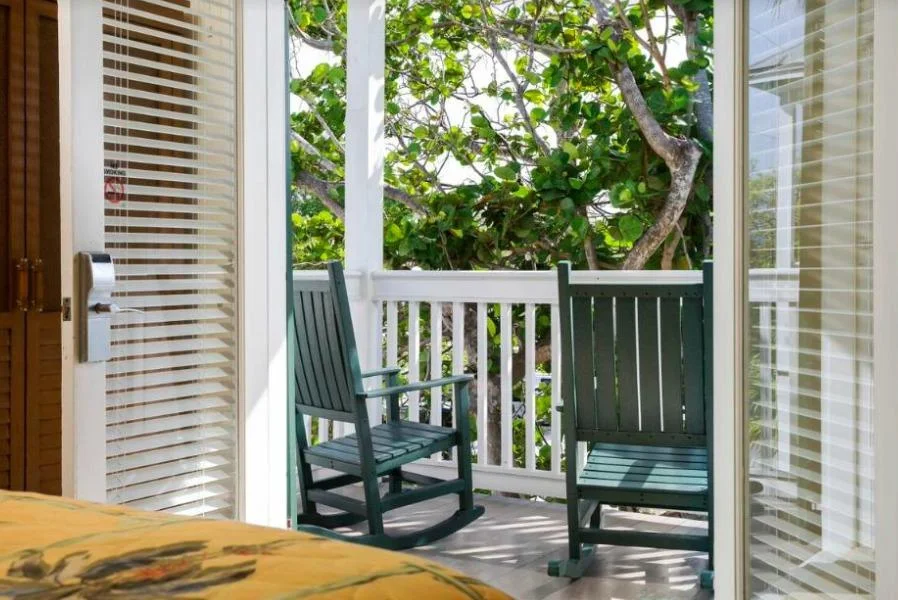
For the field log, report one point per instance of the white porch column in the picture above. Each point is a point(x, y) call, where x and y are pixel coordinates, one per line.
point(365, 159)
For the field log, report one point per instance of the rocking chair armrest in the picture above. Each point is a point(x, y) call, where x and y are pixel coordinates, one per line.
point(417, 386)
point(381, 372)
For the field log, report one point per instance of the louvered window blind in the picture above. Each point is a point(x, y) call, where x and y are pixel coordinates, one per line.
point(169, 88)
point(809, 373)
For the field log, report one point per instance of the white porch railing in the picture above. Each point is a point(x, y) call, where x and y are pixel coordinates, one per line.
point(502, 325)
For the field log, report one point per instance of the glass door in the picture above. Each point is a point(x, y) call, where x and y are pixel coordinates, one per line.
point(809, 327)
point(169, 99)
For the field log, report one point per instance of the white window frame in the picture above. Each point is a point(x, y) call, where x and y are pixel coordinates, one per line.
point(262, 268)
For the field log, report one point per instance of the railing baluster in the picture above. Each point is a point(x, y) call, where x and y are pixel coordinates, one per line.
point(307, 423)
point(323, 430)
point(530, 385)
point(482, 387)
point(556, 390)
point(414, 358)
point(458, 353)
point(392, 334)
point(376, 349)
point(505, 406)
point(436, 364)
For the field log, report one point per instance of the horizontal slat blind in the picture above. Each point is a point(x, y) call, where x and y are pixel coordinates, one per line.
point(169, 121)
point(809, 369)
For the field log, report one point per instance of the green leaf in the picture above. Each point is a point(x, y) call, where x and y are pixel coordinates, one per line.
point(393, 233)
point(505, 172)
point(337, 75)
point(567, 204)
point(630, 228)
point(421, 132)
point(319, 15)
point(575, 183)
point(538, 114)
point(393, 108)
point(467, 11)
point(534, 96)
point(571, 150)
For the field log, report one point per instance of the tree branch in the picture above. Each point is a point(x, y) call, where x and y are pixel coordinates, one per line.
point(703, 106)
point(324, 190)
point(680, 155)
point(518, 95)
point(311, 149)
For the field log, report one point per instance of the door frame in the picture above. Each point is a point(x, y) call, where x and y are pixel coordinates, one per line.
point(81, 219)
point(885, 292)
point(261, 356)
point(729, 290)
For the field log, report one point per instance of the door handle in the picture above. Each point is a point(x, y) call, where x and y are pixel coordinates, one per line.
point(37, 285)
point(22, 284)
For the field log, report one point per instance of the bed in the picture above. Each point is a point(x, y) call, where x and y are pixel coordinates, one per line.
point(54, 547)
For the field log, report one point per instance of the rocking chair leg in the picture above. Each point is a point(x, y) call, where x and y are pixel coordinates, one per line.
point(395, 479)
point(463, 459)
point(304, 470)
point(373, 506)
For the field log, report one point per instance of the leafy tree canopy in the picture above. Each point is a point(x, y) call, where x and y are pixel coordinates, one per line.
point(519, 133)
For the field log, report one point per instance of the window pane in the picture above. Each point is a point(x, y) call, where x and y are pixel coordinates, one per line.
point(809, 244)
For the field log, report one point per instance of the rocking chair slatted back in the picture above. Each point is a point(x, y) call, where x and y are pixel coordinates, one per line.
point(328, 376)
point(635, 366)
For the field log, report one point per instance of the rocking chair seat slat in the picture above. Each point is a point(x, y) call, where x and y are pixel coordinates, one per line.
point(393, 442)
point(618, 467)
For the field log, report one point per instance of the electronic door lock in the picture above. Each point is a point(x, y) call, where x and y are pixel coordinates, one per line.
point(95, 306)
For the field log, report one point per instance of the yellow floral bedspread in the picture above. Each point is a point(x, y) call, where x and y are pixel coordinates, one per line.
point(58, 548)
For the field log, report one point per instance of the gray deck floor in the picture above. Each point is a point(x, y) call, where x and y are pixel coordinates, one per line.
point(510, 545)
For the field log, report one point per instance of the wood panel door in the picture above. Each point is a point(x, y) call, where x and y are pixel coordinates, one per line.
point(43, 431)
point(30, 302)
point(12, 245)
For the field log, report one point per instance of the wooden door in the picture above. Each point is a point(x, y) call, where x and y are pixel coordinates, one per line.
point(30, 302)
point(43, 431)
point(13, 275)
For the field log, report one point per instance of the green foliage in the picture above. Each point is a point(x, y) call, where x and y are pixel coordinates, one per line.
point(550, 157)
point(317, 239)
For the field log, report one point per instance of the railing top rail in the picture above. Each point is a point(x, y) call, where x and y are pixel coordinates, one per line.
point(536, 287)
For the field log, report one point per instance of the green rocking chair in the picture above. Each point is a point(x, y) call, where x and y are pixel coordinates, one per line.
point(329, 384)
point(636, 379)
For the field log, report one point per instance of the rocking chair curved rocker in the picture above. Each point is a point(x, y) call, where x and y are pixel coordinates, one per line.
point(329, 384)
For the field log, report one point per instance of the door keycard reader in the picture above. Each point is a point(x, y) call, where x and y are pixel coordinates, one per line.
point(95, 306)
